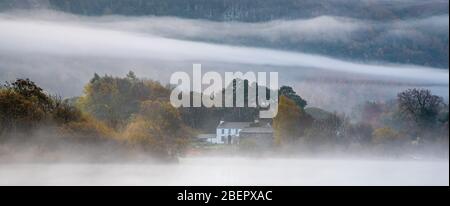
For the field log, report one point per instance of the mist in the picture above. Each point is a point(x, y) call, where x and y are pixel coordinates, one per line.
point(234, 171)
point(73, 39)
point(71, 48)
point(61, 52)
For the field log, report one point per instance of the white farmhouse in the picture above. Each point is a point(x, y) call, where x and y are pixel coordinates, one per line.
point(228, 132)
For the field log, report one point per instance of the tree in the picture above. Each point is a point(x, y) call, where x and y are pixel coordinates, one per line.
point(24, 106)
point(95, 78)
point(114, 100)
point(327, 130)
point(420, 105)
point(18, 111)
point(131, 75)
point(29, 89)
point(158, 128)
point(290, 122)
point(291, 94)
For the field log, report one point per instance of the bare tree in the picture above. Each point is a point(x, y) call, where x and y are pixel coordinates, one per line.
point(420, 105)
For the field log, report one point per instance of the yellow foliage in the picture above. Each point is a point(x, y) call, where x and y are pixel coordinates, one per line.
point(157, 128)
point(385, 135)
point(19, 111)
point(287, 120)
point(88, 126)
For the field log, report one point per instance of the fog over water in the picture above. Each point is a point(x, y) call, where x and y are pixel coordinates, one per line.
point(233, 171)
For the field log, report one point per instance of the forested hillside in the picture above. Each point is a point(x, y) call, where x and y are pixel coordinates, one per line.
point(245, 10)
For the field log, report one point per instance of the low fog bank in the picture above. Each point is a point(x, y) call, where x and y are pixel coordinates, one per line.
point(437, 151)
point(233, 171)
point(50, 146)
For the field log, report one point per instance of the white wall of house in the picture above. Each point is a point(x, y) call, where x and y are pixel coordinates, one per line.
point(223, 133)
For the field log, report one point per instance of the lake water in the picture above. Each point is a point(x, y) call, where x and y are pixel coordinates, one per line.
point(233, 171)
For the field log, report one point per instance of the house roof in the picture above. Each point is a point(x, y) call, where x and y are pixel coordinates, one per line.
point(234, 125)
point(206, 136)
point(261, 129)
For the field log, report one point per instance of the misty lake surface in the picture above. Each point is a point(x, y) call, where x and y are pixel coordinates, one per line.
point(233, 171)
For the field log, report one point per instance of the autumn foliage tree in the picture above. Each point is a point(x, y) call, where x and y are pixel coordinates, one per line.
point(158, 128)
point(115, 99)
point(24, 107)
point(290, 122)
point(291, 94)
